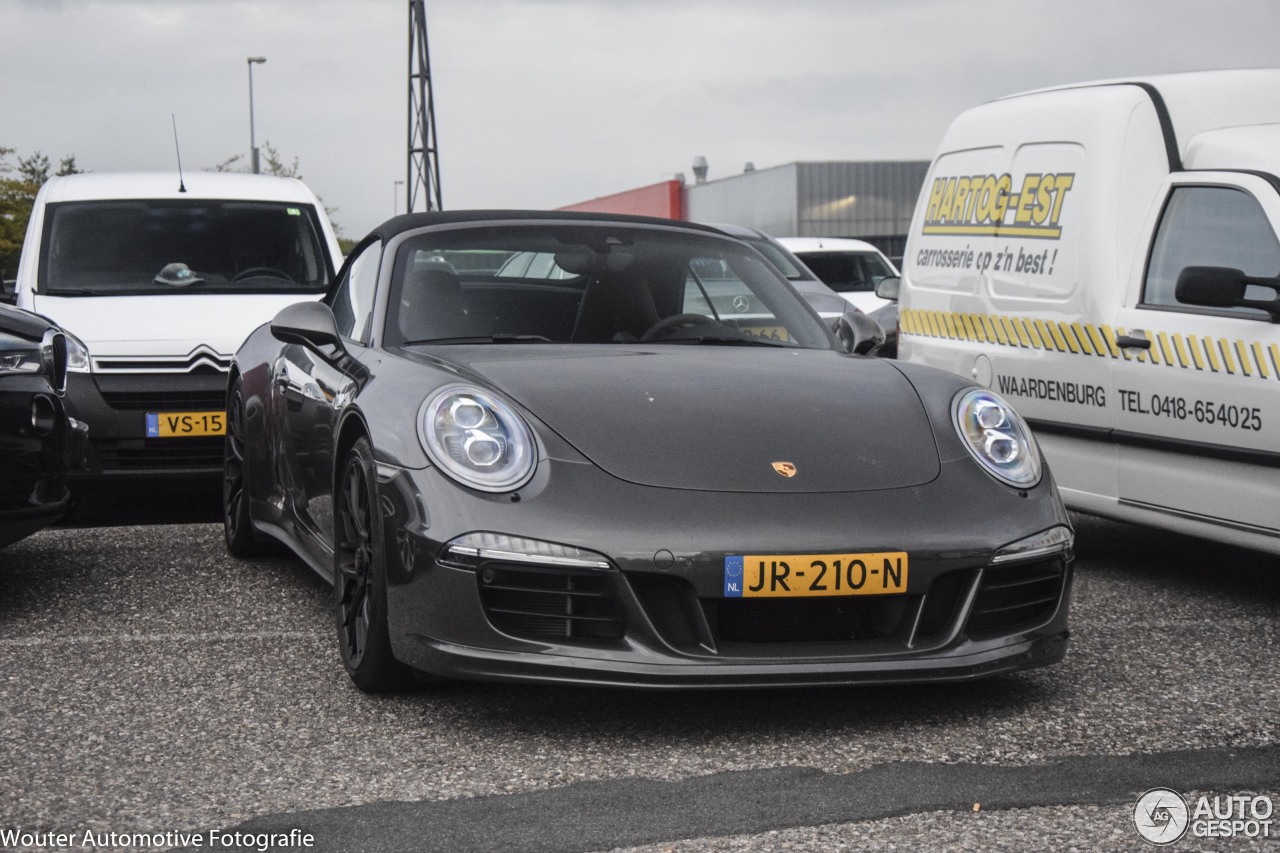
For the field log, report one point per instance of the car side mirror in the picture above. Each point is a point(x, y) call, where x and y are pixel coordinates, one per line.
point(9, 292)
point(888, 288)
point(1224, 287)
point(859, 334)
point(307, 323)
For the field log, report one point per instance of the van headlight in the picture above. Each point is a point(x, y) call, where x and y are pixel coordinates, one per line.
point(77, 355)
point(477, 438)
point(997, 437)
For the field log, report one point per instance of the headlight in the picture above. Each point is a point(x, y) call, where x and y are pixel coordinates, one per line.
point(477, 438)
point(20, 361)
point(997, 437)
point(77, 355)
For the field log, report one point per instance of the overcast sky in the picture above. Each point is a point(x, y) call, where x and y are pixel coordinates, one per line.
point(541, 103)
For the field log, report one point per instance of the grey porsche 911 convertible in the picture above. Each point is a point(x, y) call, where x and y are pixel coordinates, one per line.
point(633, 455)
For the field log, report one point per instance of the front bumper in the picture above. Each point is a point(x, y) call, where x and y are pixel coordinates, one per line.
point(658, 616)
point(33, 492)
point(116, 406)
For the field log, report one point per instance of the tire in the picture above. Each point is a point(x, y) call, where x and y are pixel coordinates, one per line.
point(360, 579)
point(237, 528)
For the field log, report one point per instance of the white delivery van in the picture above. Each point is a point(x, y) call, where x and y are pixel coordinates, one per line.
point(158, 278)
point(852, 268)
point(1106, 256)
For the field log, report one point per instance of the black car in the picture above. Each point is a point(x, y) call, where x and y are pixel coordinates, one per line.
point(38, 441)
point(659, 469)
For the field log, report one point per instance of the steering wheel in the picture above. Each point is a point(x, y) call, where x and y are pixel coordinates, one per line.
point(667, 324)
point(269, 272)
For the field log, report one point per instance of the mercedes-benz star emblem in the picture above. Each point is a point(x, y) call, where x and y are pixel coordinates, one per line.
point(741, 303)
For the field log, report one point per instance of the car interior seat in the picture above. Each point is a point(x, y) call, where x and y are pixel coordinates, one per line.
point(432, 306)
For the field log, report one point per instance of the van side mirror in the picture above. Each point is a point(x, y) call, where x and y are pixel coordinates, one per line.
point(889, 287)
point(859, 334)
point(9, 292)
point(307, 323)
point(1224, 287)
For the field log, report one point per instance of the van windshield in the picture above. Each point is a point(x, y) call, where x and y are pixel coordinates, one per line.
point(131, 247)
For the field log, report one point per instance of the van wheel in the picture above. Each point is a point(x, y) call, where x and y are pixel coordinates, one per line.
point(360, 579)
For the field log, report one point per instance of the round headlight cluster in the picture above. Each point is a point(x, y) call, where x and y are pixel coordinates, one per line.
point(997, 437)
point(476, 438)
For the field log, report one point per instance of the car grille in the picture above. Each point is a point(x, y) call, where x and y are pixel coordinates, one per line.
point(1017, 596)
point(200, 361)
point(153, 401)
point(164, 454)
point(550, 604)
point(809, 621)
point(859, 623)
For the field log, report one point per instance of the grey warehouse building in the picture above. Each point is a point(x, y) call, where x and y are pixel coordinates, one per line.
point(871, 200)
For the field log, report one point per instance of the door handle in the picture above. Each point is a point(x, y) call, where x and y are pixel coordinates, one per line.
point(1133, 341)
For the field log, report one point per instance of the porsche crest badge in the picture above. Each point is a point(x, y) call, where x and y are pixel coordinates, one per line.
point(786, 469)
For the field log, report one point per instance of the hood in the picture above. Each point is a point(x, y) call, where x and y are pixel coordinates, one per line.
point(163, 325)
point(718, 418)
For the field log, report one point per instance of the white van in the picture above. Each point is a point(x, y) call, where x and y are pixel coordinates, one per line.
point(852, 268)
point(158, 279)
point(1106, 256)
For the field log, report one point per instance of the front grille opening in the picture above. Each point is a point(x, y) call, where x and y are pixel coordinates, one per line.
point(941, 604)
point(203, 452)
point(1017, 597)
point(667, 603)
point(161, 401)
point(550, 604)
point(817, 620)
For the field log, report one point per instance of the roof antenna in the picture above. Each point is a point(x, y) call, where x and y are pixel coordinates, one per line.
point(181, 186)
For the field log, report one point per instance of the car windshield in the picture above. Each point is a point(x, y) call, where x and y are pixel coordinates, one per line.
point(591, 283)
point(142, 247)
point(848, 272)
point(786, 262)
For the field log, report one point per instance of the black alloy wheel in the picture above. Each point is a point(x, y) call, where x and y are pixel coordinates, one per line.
point(359, 575)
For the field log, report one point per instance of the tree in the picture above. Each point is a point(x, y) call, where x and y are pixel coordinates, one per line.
point(272, 164)
point(19, 183)
point(269, 160)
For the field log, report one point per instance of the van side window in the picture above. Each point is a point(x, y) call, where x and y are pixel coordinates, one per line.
point(1210, 226)
point(353, 300)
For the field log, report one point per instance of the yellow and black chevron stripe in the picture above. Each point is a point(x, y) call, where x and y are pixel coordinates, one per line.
point(1188, 352)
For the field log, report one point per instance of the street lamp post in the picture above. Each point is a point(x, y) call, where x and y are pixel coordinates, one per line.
point(253, 143)
point(395, 191)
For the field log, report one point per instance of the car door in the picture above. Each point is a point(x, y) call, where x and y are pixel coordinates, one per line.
point(1197, 390)
point(313, 386)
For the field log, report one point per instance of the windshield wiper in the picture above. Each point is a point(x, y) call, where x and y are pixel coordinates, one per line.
point(483, 339)
point(724, 340)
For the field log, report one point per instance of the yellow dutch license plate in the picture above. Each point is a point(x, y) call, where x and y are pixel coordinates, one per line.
point(769, 333)
point(185, 424)
point(810, 575)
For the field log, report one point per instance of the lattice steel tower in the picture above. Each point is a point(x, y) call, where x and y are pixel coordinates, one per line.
point(424, 164)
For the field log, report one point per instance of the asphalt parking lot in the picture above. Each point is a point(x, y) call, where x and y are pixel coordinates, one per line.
point(154, 685)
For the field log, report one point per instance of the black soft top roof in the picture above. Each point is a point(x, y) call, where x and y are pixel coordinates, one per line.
point(410, 221)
